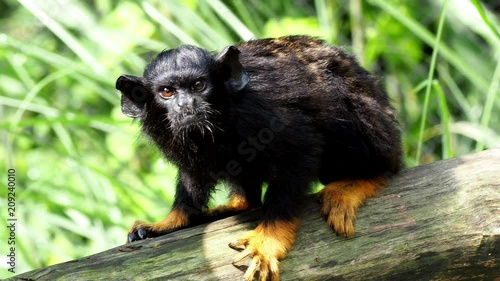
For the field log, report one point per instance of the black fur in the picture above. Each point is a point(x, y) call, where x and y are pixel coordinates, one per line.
point(286, 111)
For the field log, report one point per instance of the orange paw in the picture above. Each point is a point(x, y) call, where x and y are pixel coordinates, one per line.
point(341, 200)
point(142, 230)
point(266, 245)
point(236, 204)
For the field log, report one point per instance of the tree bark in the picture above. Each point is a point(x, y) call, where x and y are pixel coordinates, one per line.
point(439, 221)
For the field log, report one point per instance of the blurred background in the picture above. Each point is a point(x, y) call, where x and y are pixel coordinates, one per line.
point(84, 174)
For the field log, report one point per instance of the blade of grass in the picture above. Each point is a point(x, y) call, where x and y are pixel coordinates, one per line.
point(35, 90)
point(265, 10)
point(249, 16)
point(45, 110)
point(187, 18)
point(51, 58)
point(65, 138)
point(325, 19)
point(109, 94)
point(169, 25)
point(426, 36)
point(127, 192)
point(490, 101)
point(485, 18)
point(457, 93)
point(64, 35)
point(420, 86)
point(435, 51)
point(232, 21)
point(444, 113)
point(356, 17)
point(474, 132)
point(21, 71)
point(69, 119)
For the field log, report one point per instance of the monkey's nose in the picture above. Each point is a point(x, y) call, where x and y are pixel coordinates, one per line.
point(185, 102)
point(186, 108)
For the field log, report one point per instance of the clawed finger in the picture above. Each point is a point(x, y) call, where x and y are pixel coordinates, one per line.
point(238, 245)
point(139, 231)
point(252, 268)
point(275, 270)
point(241, 256)
point(264, 271)
point(266, 245)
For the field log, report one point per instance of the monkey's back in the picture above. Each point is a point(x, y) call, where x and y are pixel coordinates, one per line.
point(332, 93)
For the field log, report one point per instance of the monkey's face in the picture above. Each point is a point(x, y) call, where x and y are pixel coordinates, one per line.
point(186, 103)
point(184, 84)
point(180, 82)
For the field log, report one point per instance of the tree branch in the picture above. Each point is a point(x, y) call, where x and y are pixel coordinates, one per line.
point(437, 221)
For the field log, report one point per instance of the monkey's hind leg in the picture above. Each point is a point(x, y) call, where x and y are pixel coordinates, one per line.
point(266, 245)
point(341, 200)
point(237, 204)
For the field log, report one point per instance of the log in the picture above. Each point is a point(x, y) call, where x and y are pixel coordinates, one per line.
point(439, 221)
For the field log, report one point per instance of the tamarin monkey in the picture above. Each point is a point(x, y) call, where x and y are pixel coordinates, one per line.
point(287, 112)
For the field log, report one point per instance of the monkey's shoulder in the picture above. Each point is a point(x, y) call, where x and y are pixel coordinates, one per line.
point(282, 43)
point(309, 57)
point(303, 48)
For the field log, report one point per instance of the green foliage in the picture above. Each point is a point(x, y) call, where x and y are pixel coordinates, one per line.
point(84, 173)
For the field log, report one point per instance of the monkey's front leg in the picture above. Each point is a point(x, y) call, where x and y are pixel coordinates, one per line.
point(191, 197)
point(175, 220)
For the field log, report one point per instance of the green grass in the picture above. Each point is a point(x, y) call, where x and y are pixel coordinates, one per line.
point(84, 173)
point(430, 77)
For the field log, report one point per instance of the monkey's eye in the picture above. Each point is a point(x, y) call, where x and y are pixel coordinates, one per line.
point(198, 85)
point(167, 92)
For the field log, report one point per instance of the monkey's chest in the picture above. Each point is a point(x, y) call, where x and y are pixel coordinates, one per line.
point(196, 155)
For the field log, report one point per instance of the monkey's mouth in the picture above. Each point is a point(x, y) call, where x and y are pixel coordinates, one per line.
point(187, 120)
point(183, 124)
point(184, 121)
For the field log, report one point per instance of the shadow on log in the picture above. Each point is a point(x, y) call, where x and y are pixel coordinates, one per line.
point(439, 221)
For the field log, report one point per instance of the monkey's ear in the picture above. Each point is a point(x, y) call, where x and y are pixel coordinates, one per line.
point(133, 95)
point(234, 73)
